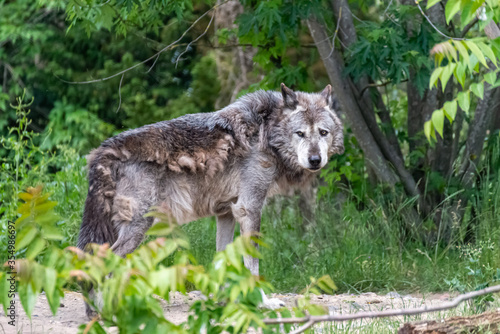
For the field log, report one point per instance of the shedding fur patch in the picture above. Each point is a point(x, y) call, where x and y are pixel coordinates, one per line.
point(123, 209)
point(187, 162)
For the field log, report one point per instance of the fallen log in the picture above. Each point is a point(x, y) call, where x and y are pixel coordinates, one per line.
point(480, 323)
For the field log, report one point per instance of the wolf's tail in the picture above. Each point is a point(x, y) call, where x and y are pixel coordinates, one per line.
point(97, 226)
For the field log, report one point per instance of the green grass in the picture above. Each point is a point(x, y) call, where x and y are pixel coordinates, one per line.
point(362, 249)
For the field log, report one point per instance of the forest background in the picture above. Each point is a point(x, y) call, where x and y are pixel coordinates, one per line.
point(413, 203)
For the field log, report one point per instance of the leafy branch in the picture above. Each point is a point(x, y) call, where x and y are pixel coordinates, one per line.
point(156, 55)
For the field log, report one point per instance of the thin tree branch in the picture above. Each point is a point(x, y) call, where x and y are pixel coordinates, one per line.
point(432, 24)
point(336, 31)
point(193, 41)
point(303, 328)
point(120, 93)
point(378, 85)
point(311, 320)
point(171, 45)
point(469, 26)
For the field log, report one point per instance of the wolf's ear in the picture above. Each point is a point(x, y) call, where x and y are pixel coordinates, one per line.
point(289, 97)
point(327, 94)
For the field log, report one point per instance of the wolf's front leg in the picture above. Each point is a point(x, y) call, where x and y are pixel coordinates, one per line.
point(255, 183)
point(256, 179)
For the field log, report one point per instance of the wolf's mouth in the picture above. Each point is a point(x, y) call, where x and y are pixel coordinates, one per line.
point(314, 169)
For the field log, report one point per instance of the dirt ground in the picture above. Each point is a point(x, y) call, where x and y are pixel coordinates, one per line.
point(71, 313)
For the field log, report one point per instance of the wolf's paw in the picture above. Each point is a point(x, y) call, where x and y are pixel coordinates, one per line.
point(271, 303)
point(91, 314)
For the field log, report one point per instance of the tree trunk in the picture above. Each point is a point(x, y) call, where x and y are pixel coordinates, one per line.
point(386, 139)
point(234, 64)
point(342, 87)
point(481, 323)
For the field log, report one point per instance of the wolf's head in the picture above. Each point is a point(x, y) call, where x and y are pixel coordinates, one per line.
point(311, 129)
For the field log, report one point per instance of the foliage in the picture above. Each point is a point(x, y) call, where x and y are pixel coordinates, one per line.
point(39, 53)
point(128, 285)
point(478, 276)
point(364, 236)
point(26, 163)
point(472, 62)
point(386, 52)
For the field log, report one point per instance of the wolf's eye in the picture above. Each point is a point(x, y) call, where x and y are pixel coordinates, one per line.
point(323, 132)
point(300, 134)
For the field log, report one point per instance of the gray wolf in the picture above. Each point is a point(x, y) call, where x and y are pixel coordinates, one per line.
point(224, 164)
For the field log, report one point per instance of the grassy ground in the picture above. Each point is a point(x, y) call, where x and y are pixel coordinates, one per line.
point(361, 252)
point(362, 249)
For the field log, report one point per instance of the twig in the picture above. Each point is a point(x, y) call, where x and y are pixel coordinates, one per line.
point(378, 85)
point(154, 63)
point(303, 328)
point(311, 320)
point(336, 31)
point(120, 93)
point(387, 8)
point(469, 26)
point(171, 45)
point(14, 75)
point(193, 41)
point(432, 24)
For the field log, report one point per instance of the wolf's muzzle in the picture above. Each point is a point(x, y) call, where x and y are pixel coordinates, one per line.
point(315, 161)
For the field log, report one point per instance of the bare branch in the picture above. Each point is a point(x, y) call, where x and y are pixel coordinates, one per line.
point(120, 93)
point(432, 24)
point(469, 26)
point(378, 85)
point(336, 31)
point(195, 40)
point(171, 45)
point(311, 320)
point(303, 328)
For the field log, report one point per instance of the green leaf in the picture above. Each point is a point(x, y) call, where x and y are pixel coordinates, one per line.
point(460, 73)
point(490, 77)
point(447, 72)
point(438, 121)
point(428, 130)
point(27, 297)
point(462, 50)
point(477, 52)
point(26, 236)
point(52, 233)
point(4, 291)
point(49, 282)
point(435, 75)
point(49, 287)
point(161, 229)
point(488, 52)
point(477, 89)
point(463, 99)
point(450, 109)
point(35, 248)
point(326, 284)
point(315, 309)
point(452, 7)
point(431, 3)
point(496, 84)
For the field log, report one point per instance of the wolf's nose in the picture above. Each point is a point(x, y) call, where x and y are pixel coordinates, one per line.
point(314, 160)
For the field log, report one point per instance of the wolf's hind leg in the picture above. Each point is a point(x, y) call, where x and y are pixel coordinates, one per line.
point(130, 236)
point(225, 230)
point(130, 224)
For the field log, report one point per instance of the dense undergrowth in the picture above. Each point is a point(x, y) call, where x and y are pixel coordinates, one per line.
point(362, 247)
